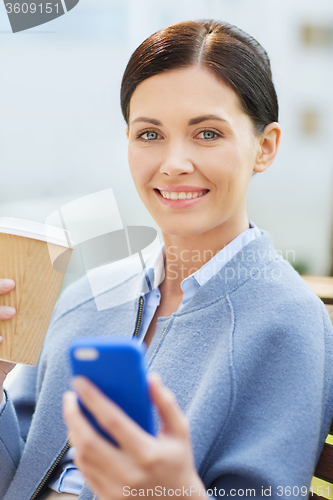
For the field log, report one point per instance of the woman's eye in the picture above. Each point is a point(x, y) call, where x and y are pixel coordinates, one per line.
point(208, 134)
point(149, 135)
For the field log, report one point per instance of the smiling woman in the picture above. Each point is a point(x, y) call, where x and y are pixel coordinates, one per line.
point(240, 341)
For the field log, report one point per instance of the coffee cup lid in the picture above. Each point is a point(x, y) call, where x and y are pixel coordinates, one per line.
point(36, 231)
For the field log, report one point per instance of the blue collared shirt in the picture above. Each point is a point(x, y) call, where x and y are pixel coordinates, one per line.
point(71, 480)
point(192, 283)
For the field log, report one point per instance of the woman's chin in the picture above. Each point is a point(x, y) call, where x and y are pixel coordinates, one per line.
point(182, 230)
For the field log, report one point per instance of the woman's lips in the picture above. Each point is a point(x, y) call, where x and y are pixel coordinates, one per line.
point(182, 203)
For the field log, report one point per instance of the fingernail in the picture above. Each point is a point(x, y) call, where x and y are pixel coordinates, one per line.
point(7, 311)
point(67, 397)
point(7, 284)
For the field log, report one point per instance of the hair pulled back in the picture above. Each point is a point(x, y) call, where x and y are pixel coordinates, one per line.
point(231, 54)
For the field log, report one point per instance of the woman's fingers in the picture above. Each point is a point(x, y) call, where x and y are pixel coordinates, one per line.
point(81, 433)
point(141, 458)
point(94, 455)
point(6, 286)
point(174, 420)
point(127, 433)
point(7, 312)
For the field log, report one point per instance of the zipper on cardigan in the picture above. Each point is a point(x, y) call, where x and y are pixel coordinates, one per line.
point(139, 316)
point(49, 472)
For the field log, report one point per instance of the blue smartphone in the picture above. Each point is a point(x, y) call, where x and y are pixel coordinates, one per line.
point(117, 367)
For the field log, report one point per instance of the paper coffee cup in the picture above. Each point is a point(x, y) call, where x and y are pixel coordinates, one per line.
point(35, 256)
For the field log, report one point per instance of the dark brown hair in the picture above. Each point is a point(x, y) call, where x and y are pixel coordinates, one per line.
point(231, 54)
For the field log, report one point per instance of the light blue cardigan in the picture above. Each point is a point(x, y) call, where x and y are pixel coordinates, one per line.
point(249, 357)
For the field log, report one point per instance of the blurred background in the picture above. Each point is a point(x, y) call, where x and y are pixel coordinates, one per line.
point(62, 135)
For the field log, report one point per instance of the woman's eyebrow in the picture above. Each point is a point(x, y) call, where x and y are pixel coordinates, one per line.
point(199, 119)
point(145, 119)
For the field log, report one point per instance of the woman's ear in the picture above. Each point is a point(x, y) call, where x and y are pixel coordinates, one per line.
point(127, 132)
point(268, 146)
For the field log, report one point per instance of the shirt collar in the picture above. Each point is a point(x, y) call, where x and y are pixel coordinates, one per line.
point(155, 270)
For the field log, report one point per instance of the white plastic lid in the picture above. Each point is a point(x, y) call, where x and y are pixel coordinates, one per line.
point(35, 231)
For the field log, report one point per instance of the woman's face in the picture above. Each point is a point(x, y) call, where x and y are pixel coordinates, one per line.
point(191, 151)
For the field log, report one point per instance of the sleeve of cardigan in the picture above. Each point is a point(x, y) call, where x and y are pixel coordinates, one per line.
point(282, 406)
point(15, 420)
point(15, 423)
point(11, 445)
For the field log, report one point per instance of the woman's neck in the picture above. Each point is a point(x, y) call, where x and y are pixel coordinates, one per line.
point(187, 254)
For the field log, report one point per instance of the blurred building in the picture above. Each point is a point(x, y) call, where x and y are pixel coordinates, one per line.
point(62, 134)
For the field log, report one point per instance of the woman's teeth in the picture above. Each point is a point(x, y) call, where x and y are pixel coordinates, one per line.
point(182, 195)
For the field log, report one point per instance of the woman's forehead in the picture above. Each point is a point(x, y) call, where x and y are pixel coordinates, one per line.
point(193, 91)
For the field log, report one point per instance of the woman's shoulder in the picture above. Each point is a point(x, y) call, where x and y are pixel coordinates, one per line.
point(281, 302)
point(266, 286)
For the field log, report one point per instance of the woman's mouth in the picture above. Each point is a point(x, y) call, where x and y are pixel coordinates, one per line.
point(180, 199)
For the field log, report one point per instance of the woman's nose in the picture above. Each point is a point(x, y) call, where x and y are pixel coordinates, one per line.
point(176, 161)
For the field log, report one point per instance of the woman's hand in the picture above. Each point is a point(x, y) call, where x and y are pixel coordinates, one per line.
point(6, 312)
point(142, 461)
